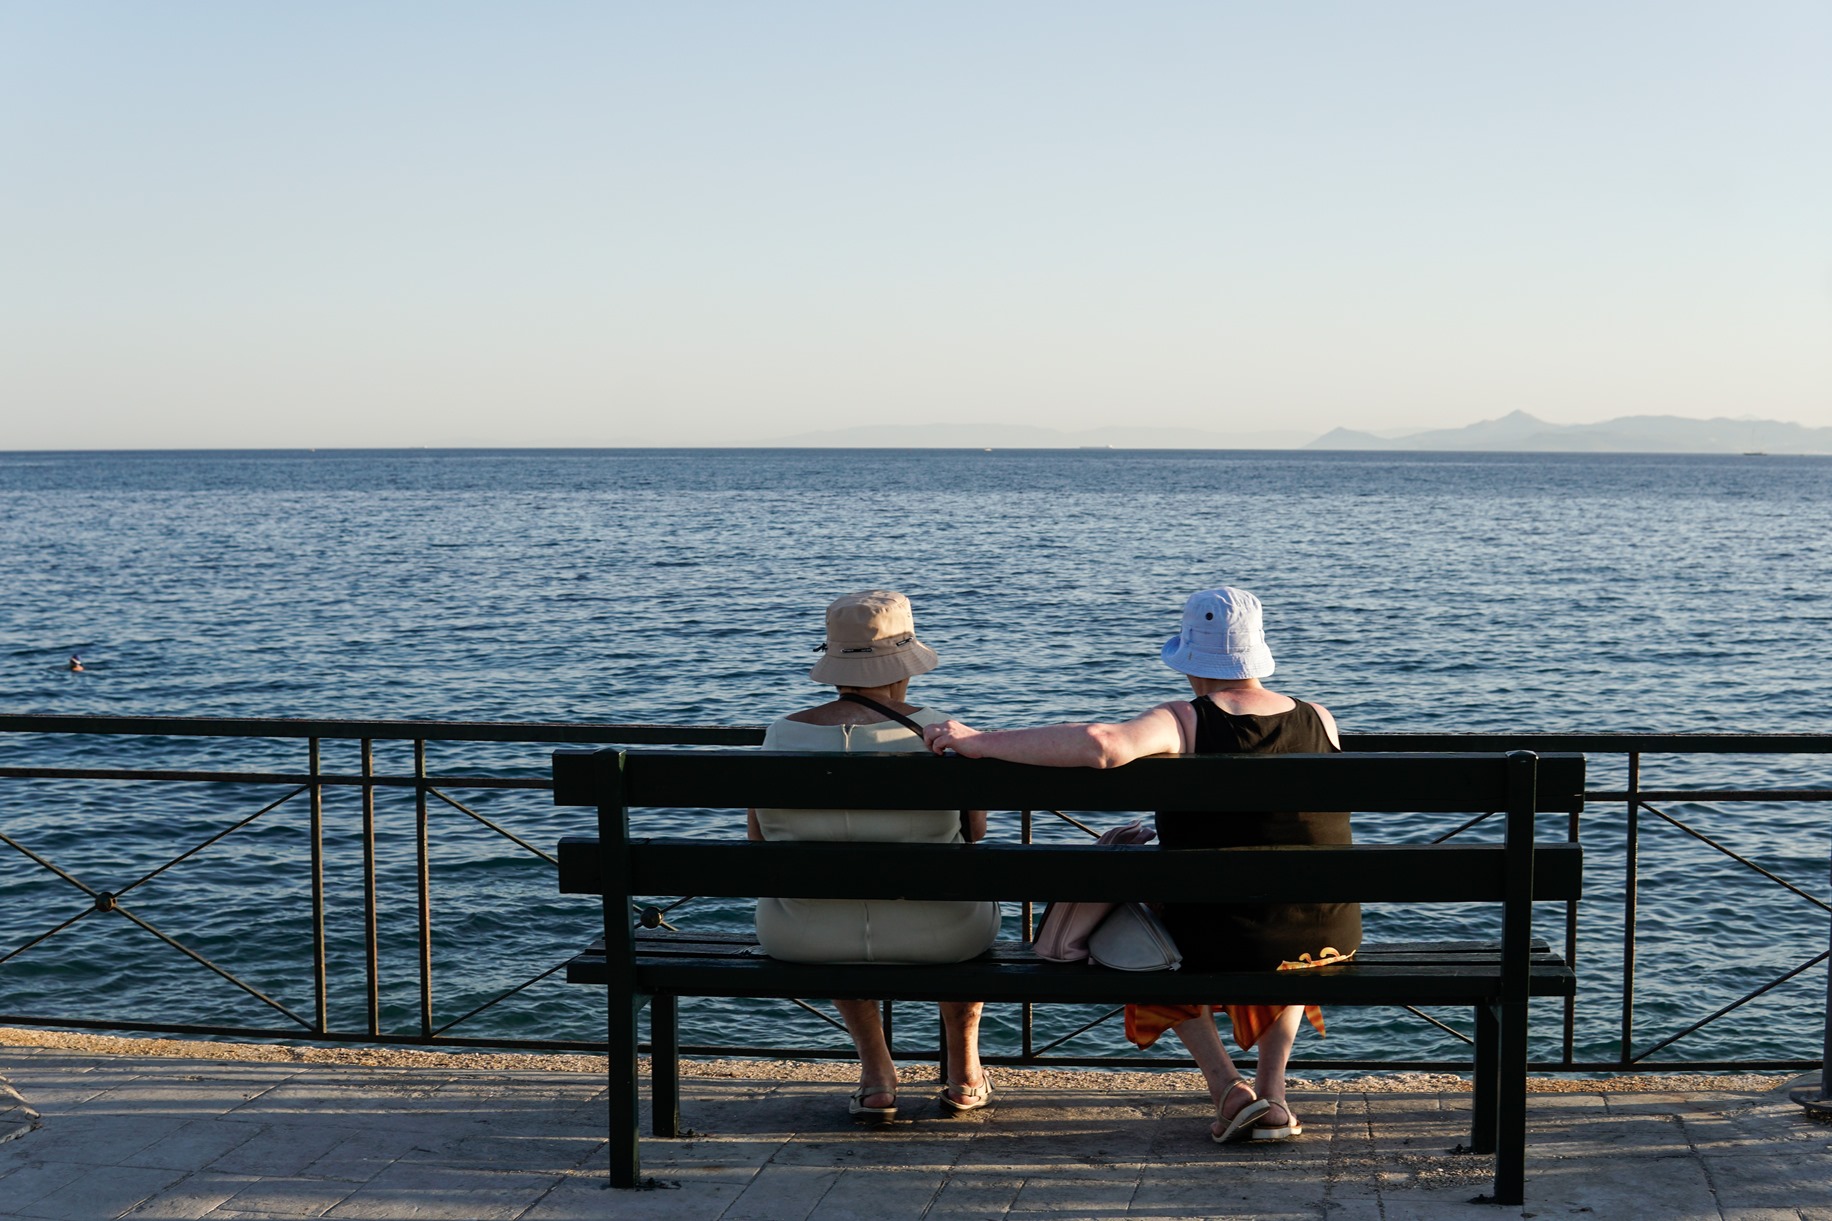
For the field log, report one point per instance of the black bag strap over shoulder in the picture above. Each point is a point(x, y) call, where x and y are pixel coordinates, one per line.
point(887, 713)
point(891, 714)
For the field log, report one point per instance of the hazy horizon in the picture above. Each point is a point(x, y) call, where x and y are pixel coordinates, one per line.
point(574, 225)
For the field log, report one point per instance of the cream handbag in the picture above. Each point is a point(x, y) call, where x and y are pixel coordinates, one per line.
point(1132, 938)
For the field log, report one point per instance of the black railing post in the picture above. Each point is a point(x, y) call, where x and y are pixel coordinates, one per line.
point(1825, 1064)
point(1630, 879)
point(426, 902)
point(1569, 1042)
point(321, 985)
point(1026, 1029)
point(371, 942)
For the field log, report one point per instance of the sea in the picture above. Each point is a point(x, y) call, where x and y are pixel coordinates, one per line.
point(1407, 592)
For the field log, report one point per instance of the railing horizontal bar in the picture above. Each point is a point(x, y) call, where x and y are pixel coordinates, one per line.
point(296, 778)
point(1600, 743)
point(429, 731)
point(1709, 795)
point(292, 1037)
point(546, 783)
point(749, 735)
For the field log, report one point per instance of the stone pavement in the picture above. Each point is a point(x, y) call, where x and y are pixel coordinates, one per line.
point(175, 1137)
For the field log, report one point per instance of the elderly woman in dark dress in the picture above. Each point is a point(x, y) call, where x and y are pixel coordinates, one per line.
point(1222, 650)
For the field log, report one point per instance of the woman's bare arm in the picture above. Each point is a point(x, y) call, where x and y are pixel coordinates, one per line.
point(1160, 731)
point(1329, 725)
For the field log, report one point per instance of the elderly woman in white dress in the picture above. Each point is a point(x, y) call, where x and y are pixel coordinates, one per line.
point(870, 655)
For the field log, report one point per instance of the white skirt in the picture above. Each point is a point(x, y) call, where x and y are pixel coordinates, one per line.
point(875, 930)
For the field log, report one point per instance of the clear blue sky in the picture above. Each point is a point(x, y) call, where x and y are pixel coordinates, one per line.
point(591, 223)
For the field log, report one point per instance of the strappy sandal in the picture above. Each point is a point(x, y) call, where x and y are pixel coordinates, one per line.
point(1241, 1125)
point(972, 1097)
point(864, 1114)
point(1273, 1130)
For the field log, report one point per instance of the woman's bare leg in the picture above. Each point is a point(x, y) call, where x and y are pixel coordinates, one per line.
point(875, 1066)
point(1204, 1043)
point(1274, 1048)
point(960, 1021)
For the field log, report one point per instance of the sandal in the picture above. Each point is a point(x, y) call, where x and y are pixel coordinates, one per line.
point(972, 1097)
point(864, 1114)
point(1241, 1123)
point(1274, 1130)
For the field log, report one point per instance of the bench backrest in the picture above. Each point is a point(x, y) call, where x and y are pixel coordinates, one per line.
point(616, 781)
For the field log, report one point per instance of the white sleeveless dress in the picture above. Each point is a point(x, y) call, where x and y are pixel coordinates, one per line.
point(878, 930)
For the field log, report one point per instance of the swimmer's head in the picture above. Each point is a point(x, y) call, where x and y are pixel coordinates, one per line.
point(76, 663)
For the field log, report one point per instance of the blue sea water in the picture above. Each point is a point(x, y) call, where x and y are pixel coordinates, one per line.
point(1407, 592)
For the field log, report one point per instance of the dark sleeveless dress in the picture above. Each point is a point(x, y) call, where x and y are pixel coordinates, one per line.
point(1224, 936)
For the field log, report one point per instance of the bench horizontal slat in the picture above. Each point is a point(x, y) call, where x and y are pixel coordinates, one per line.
point(735, 780)
point(657, 943)
point(1372, 873)
point(1072, 983)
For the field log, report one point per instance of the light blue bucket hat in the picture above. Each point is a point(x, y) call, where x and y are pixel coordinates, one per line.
point(1221, 638)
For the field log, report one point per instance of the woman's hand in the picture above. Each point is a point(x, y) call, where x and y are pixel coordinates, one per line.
point(953, 736)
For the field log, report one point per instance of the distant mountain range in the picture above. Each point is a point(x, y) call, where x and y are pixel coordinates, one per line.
point(1514, 431)
point(1629, 434)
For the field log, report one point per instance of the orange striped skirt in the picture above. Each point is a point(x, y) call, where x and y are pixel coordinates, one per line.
point(1145, 1023)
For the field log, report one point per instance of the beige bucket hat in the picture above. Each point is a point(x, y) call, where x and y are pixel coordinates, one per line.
point(871, 641)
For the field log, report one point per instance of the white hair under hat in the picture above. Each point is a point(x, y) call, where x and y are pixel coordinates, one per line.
point(1222, 637)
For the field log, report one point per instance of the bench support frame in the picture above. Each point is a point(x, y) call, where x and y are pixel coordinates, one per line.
point(1500, 1069)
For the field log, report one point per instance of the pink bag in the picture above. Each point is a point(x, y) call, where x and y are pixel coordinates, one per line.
point(1062, 935)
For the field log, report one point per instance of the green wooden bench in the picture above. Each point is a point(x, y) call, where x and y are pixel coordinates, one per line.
point(638, 966)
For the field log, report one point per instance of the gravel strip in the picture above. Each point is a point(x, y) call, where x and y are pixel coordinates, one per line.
point(826, 1070)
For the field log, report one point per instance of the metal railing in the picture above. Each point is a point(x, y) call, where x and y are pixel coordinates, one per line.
point(434, 791)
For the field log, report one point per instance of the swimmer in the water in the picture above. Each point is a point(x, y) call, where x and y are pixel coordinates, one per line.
point(76, 663)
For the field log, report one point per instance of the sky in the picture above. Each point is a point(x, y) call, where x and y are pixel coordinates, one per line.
point(350, 224)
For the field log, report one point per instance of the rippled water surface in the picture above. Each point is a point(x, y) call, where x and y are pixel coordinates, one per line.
point(1406, 592)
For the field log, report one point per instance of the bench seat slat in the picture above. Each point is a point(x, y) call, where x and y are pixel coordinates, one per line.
point(662, 943)
point(731, 964)
point(1078, 983)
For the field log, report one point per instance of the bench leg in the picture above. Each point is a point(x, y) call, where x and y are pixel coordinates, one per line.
point(1511, 1083)
point(624, 1102)
point(944, 1071)
point(1488, 1062)
point(664, 1067)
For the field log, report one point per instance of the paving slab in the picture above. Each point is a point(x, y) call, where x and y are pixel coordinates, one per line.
point(103, 1134)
